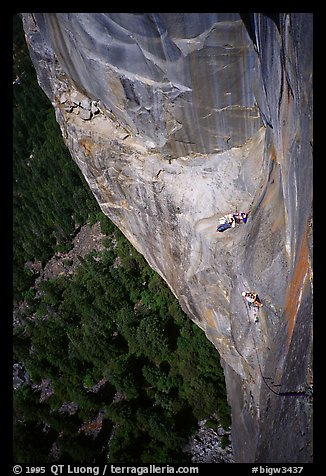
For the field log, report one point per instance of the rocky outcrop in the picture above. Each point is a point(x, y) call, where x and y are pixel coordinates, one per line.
point(207, 445)
point(180, 119)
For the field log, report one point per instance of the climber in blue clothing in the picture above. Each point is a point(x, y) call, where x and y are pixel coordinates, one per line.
point(240, 217)
point(223, 227)
point(232, 219)
point(228, 221)
point(244, 217)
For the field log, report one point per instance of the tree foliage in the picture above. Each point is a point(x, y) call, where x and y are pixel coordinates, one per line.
point(92, 331)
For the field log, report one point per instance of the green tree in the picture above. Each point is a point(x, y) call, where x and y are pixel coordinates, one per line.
point(152, 340)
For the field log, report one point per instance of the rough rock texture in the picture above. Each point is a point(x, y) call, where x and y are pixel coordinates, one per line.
point(206, 445)
point(181, 118)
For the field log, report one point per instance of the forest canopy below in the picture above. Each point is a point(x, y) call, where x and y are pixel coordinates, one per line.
point(114, 369)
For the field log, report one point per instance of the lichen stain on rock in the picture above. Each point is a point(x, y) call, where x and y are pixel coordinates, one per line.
point(273, 153)
point(87, 146)
point(273, 198)
point(117, 91)
point(209, 318)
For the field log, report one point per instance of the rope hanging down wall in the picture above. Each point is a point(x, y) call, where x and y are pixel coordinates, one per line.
point(279, 394)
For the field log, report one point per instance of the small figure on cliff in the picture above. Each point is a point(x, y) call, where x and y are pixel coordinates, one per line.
point(231, 219)
point(240, 217)
point(226, 222)
point(252, 299)
point(223, 226)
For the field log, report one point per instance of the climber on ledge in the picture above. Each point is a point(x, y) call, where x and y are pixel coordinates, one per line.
point(252, 299)
point(240, 217)
point(230, 220)
point(226, 222)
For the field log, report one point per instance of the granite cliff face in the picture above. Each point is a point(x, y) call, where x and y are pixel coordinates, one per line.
point(176, 119)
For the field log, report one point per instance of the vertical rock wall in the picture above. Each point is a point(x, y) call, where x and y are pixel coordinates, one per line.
point(175, 120)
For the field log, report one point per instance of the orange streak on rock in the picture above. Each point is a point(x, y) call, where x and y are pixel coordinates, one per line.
point(268, 196)
point(88, 146)
point(209, 318)
point(296, 287)
point(273, 154)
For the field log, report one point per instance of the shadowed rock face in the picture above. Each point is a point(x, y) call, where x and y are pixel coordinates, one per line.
point(176, 120)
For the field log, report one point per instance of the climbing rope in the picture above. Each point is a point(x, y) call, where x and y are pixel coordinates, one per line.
point(279, 394)
point(251, 210)
point(272, 310)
